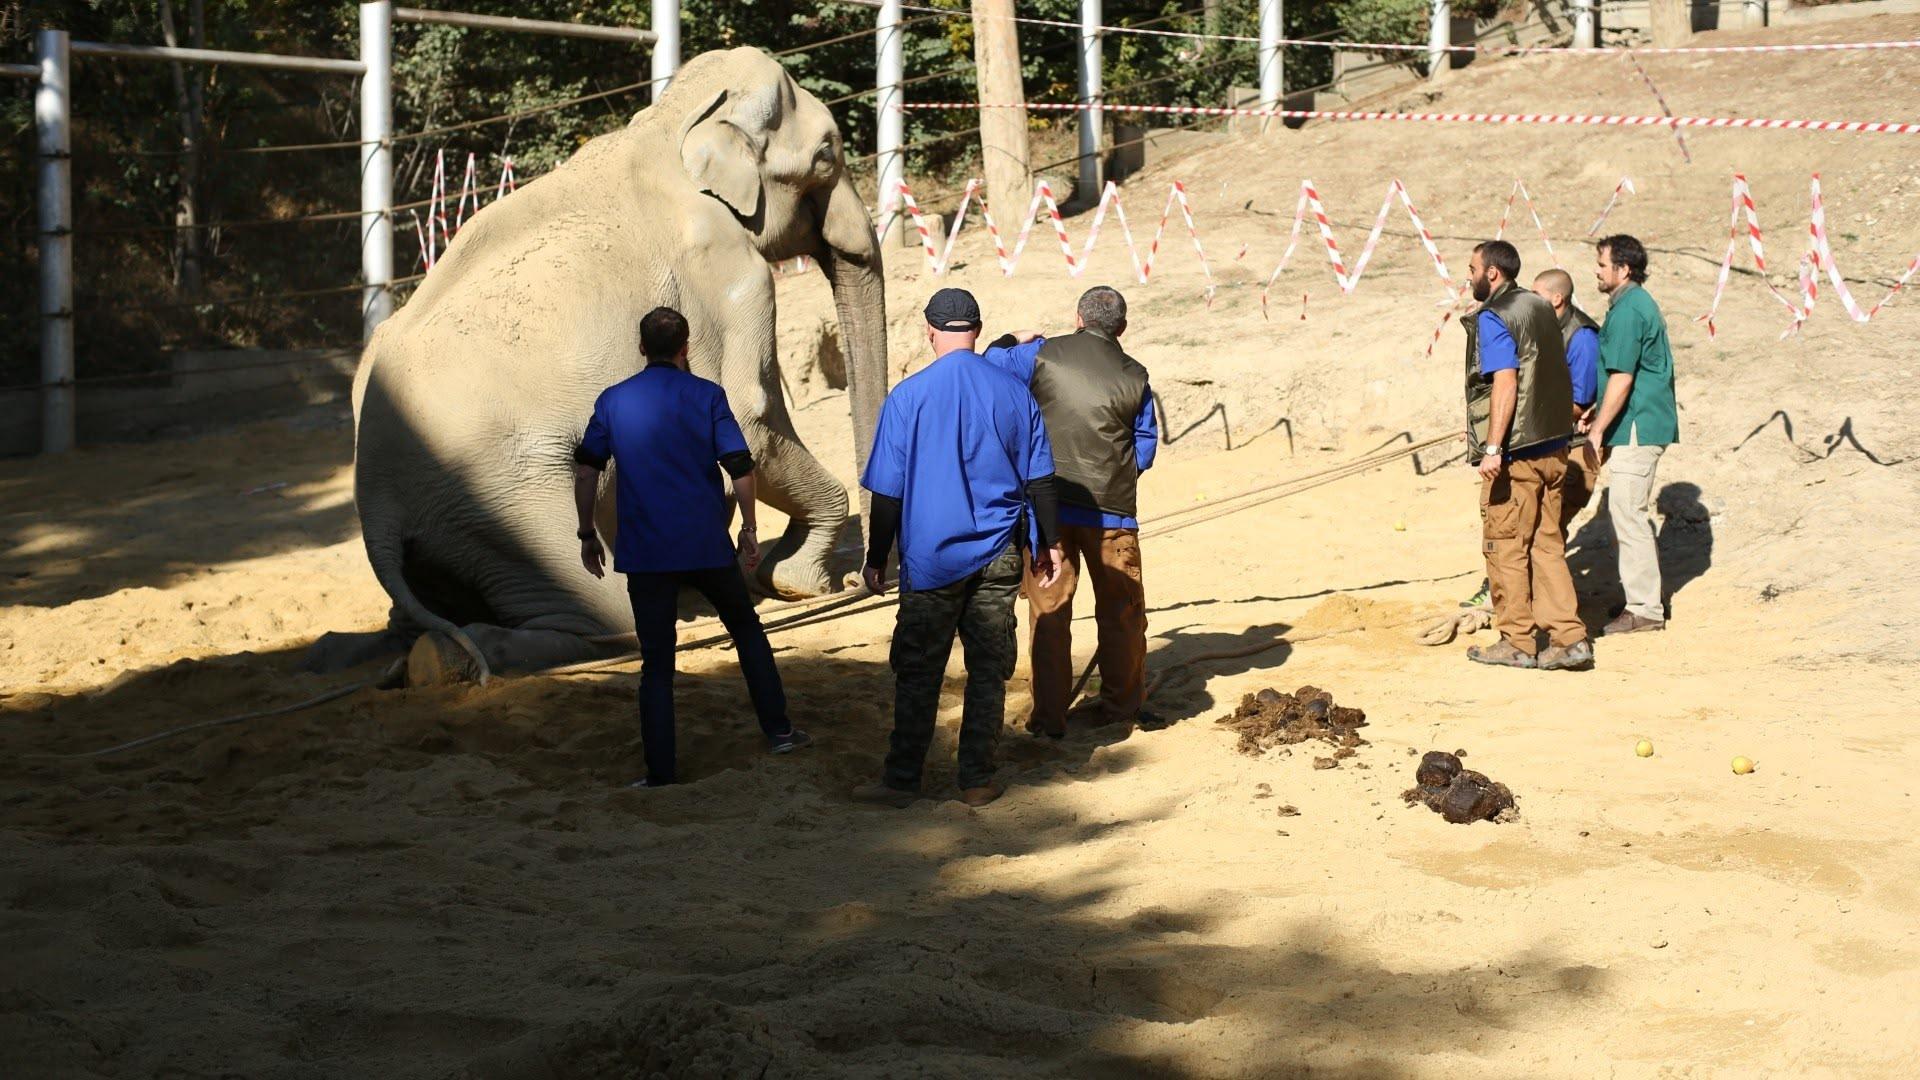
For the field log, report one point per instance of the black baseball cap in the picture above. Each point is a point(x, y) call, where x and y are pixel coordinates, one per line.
point(953, 309)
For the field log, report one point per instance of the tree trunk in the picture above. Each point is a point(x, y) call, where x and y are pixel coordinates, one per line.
point(1672, 22)
point(1003, 131)
point(190, 99)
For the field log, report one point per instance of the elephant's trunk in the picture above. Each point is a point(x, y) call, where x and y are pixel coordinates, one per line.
point(851, 261)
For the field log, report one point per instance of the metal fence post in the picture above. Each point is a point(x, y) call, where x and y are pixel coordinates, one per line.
point(1090, 117)
point(1439, 36)
point(53, 124)
point(1273, 86)
point(666, 48)
point(890, 117)
point(376, 164)
point(1583, 24)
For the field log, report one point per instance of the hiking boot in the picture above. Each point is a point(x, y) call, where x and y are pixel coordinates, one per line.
point(1481, 598)
point(1039, 730)
point(793, 740)
point(1150, 721)
point(980, 796)
point(883, 794)
point(1500, 654)
point(1629, 623)
point(1575, 657)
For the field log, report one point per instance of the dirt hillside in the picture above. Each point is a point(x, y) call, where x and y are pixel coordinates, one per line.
point(452, 882)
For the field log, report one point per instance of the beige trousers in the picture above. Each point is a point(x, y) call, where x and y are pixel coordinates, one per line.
point(1630, 476)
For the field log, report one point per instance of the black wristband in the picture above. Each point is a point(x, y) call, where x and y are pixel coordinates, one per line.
point(587, 534)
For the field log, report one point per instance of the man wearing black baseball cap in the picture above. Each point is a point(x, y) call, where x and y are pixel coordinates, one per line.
point(960, 462)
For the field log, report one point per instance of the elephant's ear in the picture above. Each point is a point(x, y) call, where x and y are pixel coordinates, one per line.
point(724, 149)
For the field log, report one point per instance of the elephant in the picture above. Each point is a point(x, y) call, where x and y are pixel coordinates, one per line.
point(469, 402)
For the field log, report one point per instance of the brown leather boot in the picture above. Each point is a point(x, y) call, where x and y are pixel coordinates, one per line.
point(980, 796)
point(1500, 654)
point(1575, 657)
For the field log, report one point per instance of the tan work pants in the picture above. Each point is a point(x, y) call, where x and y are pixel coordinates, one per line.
point(1527, 553)
point(1630, 475)
point(1112, 558)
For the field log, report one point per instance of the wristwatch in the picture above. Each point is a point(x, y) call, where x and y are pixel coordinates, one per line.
point(1493, 448)
point(586, 534)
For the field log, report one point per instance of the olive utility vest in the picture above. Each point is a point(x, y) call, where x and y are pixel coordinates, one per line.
point(1090, 390)
point(1573, 320)
point(1544, 410)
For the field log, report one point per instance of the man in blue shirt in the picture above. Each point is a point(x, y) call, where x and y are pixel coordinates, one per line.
point(1582, 335)
point(1519, 397)
point(960, 461)
point(665, 430)
point(1100, 418)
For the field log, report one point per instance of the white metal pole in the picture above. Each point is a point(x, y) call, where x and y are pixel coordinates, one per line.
point(1439, 36)
point(376, 164)
point(1090, 118)
point(666, 48)
point(1583, 24)
point(53, 122)
point(1273, 88)
point(890, 126)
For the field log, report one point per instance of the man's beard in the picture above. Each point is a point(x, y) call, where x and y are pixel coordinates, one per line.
point(1606, 287)
point(1482, 288)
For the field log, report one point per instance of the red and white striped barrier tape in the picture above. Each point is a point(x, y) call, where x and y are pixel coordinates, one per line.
point(1626, 185)
point(469, 191)
point(1865, 126)
point(1518, 50)
point(1520, 191)
point(437, 234)
point(1818, 257)
point(1661, 100)
point(507, 183)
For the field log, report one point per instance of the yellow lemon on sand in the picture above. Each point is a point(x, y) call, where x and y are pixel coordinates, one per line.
point(1743, 765)
point(1643, 748)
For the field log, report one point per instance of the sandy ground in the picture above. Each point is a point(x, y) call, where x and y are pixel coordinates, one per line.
point(451, 882)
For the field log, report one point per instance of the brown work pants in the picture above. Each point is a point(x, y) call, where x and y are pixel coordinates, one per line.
point(1527, 553)
point(1120, 610)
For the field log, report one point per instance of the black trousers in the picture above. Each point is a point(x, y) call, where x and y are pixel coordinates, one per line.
point(979, 607)
point(656, 601)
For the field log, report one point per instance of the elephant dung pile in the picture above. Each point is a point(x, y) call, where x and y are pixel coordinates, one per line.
point(1270, 719)
point(1459, 794)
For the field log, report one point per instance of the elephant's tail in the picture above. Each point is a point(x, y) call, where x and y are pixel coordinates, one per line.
point(386, 552)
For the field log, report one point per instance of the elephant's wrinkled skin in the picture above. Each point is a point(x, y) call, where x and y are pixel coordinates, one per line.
point(469, 402)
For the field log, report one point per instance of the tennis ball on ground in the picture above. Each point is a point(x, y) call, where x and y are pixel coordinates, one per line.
point(1399, 526)
point(1742, 765)
point(1643, 748)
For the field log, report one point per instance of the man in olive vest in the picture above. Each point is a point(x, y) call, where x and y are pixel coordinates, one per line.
point(1519, 422)
point(1100, 419)
point(1582, 336)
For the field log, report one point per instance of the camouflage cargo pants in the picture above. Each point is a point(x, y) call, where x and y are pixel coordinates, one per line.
point(980, 608)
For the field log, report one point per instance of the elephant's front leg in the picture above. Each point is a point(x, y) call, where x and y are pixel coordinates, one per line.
point(789, 478)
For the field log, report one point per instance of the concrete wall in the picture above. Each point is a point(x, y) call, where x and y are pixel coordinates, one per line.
point(201, 390)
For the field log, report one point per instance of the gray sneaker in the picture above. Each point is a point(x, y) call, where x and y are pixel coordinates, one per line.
point(793, 740)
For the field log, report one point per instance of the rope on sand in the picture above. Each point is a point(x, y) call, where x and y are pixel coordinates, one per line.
point(1445, 628)
point(847, 606)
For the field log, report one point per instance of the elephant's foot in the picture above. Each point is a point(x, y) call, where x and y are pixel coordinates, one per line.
point(338, 652)
point(438, 660)
point(796, 566)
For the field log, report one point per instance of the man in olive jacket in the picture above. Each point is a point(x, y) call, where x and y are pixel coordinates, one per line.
point(1100, 418)
point(1519, 423)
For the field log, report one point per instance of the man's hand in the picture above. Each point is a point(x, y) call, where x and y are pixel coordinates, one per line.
point(1595, 449)
point(1490, 466)
point(1047, 564)
point(875, 579)
point(1021, 337)
point(749, 548)
point(593, 556)
point(1584, 422)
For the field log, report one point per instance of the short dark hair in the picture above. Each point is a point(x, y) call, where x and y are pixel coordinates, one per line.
point(663, 333)
point(1502, 256)
point(1626, 251)
point(1102, 308)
